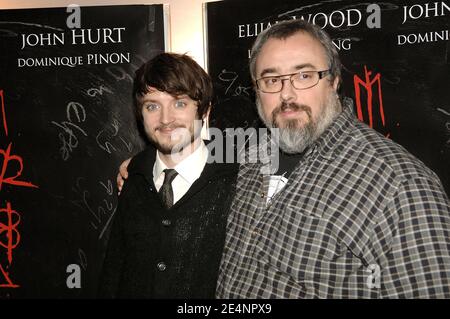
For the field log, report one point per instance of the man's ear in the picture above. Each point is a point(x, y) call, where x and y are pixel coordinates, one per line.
point(206, 115)
point(336, 83)
point(205, 127)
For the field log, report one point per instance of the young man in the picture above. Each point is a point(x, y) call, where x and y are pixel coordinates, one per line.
point(167, 236)
point(356, 215)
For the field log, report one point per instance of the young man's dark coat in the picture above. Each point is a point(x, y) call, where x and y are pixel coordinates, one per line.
point(154, 252)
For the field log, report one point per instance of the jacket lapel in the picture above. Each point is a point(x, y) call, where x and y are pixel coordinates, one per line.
point(210, 172)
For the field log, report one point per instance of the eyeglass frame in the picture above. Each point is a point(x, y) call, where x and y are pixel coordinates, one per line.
point(321, 74)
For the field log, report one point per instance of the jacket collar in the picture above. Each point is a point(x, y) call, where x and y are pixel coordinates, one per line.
point(330, 143)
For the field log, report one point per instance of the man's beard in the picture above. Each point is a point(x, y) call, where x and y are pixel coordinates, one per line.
point(297, 135)
point(180, 138)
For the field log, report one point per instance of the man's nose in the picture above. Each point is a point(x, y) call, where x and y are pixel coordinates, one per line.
point(288, 92)
point(165, 115)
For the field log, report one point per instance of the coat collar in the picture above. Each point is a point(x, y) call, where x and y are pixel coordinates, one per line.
point(330, 144)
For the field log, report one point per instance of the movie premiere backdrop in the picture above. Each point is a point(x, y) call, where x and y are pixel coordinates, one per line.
point(396, 64)
point(66, 119)
point(66, 123)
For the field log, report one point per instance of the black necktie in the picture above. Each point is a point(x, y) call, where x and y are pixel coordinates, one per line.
point(166, 191)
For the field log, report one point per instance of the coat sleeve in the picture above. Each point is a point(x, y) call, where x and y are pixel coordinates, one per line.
point(113, 263)
point(419, 261)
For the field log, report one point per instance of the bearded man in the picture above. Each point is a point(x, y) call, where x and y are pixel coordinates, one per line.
point(347, 213)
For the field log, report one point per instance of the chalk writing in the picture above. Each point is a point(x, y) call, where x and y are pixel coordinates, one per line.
point(102, 213)
point(119, 74)
point(104, 137)
point(83, 259)
point(76, 109)
point(93, 92)
point(107, 146)
point(109, 188)
point(68, 137)
point(447, 124)
point(230, 78)
point(128, 145)
point(31, 25)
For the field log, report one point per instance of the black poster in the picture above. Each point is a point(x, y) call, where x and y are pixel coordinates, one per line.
point(66, 123)
point(395, 55)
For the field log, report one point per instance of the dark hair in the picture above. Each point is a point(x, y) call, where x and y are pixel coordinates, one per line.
point(175, 74)
point(285, 29)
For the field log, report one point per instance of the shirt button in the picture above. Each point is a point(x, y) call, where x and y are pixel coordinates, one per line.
point(161, 266)
point(166, 222)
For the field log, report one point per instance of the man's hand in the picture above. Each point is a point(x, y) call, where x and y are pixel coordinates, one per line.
point(123, 174)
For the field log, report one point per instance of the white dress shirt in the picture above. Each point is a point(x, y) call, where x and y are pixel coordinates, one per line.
point(189, 171)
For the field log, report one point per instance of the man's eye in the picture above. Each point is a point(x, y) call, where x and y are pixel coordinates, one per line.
point(151, 107)
point(304, 76)
point(271, 81)
point(180, 104)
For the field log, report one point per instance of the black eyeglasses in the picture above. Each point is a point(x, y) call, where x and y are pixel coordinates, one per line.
point(300, 80)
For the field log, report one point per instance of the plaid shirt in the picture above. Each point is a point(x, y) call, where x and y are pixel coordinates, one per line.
point(360, 217)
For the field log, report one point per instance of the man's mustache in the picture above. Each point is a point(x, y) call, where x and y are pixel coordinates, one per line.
point(169, 126)
point(293, 107)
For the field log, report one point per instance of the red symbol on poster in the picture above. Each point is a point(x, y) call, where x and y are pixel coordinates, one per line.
point(10, 170)
point(9, 283)
point(9, 239)
point(12, 235)
point(368, 83)
point(8, 158)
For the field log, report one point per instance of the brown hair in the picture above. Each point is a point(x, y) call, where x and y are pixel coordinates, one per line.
point(175, 74)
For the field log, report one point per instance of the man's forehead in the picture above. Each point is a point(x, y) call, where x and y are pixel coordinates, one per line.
point(154, 93)
point(150, 94)
point(297, 49)
point(300, 38)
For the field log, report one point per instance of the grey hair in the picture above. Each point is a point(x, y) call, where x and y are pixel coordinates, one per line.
point(285, 29)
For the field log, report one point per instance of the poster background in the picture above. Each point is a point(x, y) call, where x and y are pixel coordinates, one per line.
point(414, 77)
point(72, 126)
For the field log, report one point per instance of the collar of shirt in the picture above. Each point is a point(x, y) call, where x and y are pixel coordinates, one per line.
point(189, 169)
point(335, 137)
